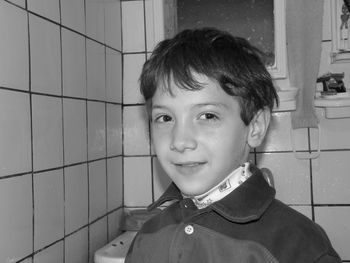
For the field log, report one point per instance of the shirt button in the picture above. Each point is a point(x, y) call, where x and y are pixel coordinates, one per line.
point(189, 230)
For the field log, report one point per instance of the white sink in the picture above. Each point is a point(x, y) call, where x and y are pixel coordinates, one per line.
point(115, 251)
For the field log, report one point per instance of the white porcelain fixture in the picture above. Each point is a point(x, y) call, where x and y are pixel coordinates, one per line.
point(115, 251)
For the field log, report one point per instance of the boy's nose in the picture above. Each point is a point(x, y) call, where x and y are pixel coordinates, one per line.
point(183, 138)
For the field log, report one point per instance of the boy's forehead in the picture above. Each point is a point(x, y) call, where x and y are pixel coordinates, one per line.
point(170, 85)
point(209, 94)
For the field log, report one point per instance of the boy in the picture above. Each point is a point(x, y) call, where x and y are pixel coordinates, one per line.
point(209, 99)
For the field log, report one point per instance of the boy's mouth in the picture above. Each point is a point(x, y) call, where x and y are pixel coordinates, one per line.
point(188, 168)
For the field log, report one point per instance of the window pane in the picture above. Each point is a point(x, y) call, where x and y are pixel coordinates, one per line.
point(250, 19)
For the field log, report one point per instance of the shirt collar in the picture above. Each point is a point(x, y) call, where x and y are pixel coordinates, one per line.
point(246, 203)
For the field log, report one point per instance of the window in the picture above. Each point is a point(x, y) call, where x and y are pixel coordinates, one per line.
point(261, 22)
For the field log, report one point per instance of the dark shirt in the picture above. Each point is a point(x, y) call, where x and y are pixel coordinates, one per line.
point(248, 225)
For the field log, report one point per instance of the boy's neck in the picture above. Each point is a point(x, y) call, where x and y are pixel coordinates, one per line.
point(226, 186)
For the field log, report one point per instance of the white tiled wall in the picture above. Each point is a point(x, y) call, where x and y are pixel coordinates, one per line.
point(64, 114)
point(61, 165)
point(318, 188)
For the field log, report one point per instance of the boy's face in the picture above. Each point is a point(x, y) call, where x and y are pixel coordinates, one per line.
point(198, 136)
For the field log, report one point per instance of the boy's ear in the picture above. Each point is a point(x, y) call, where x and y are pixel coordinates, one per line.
point(258, 127)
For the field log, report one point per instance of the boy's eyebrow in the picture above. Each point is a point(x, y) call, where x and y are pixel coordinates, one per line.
point(215, 104)
point(195, 105)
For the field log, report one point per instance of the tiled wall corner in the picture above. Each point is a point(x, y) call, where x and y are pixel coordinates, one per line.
point(61, 105)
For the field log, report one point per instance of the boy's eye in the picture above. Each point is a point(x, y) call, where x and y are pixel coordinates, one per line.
point(208, 116)
point(163, 118)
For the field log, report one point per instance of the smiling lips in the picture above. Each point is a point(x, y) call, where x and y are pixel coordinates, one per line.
point(188, 168)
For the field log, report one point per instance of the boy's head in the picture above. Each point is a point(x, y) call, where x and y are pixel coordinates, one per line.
point(231, 61)
point(209, 97)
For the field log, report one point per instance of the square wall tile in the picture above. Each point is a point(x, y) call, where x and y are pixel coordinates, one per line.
point(137, 181)
point(95, 19)
point(114, 224)
point(334, 133)
point(16, 219)
point(98, 237)
point(14, 63)
point(47, 132)
point(73, 64)
point(97, 189)
point(161, 180)
point(75, 133)
point(76, 247)
point(335, 221)
point(113, 24)
point(47, 8)
point(330, 179)
point(73, 14)
point(136, 131)
point(45, 56)
point(114, 130)
point(96, 84)
point(114, 183)
point(52, 254)
point(132, 69)
point(96, 130)
point(114, 79)
point(48, 208)
point(279, 138)
point(291, 176)
point(15, 133)
point(76, 197)
point(133, 26)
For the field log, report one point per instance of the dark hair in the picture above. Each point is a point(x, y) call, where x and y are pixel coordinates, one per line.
point(231, 61)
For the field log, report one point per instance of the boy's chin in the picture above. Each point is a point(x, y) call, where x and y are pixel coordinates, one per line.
point(192, 191)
